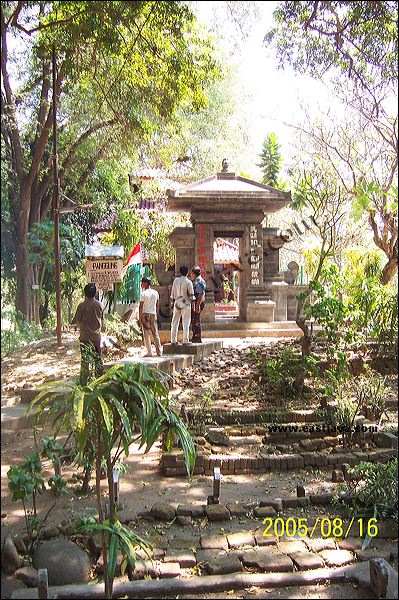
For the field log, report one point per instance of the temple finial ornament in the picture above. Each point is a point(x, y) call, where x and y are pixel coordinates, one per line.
point(225, 165)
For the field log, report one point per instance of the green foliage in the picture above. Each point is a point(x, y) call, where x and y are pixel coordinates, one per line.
point(329, 312)
point(125, 333)
point(26, 482)
point(270, 160)
point(337, 376)
point(374, 488)
point(121, 539)
point(280, 371)
point(373, 307)
point(124, 70)
point(51, 448)
point(27, 479)
point(352, 305)
point(18, 332)
point(373, 393)
point(41, 245)
point(358, 39)
point(104, 413)
point(127, 394)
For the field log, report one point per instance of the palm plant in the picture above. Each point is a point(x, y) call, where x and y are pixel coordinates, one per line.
point(110, 408)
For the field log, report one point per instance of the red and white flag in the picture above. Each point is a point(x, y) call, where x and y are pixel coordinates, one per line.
point(134, 258)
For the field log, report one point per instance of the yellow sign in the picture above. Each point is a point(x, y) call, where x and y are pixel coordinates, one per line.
point(104, 271)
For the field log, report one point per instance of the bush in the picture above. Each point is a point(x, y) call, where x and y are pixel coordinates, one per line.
point(19, 334)
point(124, 333)
point(280, 372)
point(374, 488)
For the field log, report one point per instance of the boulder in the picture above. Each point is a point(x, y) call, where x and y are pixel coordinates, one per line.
point(65, 561)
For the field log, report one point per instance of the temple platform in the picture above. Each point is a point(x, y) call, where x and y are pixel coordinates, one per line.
point(224, 328)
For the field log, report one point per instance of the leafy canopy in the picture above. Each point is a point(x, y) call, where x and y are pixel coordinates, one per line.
point(354, 38)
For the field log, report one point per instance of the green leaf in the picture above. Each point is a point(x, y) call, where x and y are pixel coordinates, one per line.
point(112, 555)
point(78, 406)
point(107, 414)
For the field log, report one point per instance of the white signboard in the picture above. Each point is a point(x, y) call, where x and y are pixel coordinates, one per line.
point(104, 272)
point(97, 250)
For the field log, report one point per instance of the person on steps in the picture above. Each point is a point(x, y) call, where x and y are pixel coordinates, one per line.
point(181, 298)
point(197, 306)
point(148, 315)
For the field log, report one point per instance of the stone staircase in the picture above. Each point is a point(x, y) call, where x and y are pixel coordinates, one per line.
point(13, 409)
point(232, 328)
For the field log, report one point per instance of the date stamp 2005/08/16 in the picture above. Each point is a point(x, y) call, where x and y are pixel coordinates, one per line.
point(324, 527)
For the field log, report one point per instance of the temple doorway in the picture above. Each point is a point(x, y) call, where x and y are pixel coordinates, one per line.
point(226, 278)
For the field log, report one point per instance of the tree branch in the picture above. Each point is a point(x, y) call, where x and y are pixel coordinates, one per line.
point(12, 126)
point(89, 170)
point(82, 138)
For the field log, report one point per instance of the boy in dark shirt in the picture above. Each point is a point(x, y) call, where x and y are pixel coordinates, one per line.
point(88, 318)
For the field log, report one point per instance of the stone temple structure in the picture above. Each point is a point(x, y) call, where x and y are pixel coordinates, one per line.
point(230, 206)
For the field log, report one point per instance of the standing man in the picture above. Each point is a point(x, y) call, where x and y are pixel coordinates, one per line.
point(88, 318)
point(197, 307)
point(181, 297)
point(148, 315)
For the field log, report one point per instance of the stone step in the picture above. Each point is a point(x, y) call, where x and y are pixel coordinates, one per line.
point(245, 417)
point(197, 350)
point(239, 333)
point(15, 417)
point(231, 323)
point(170, 364)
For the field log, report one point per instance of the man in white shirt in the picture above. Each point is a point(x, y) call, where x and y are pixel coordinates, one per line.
point(148, 314)
point(181, 297)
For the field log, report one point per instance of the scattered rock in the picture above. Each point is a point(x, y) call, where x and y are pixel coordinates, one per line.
point(379, 577)
point(217, 436)
point(236, 510)
point(337, 476)
point(10, 560)
point(184, 521)
point(10, 585)
point(28, 576)
point(50, 532)
point(370, 553)
point(241, 538)
point(214, 542)
point(186, 559)
point(169, 570)
point(264, 511)
point(163, 511)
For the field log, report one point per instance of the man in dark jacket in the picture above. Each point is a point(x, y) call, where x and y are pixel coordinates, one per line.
point(198, 306)
point(88, 318)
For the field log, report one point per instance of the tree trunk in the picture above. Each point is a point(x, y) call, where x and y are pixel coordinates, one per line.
point(23, 276)
point(390, 270)
point(306, 340)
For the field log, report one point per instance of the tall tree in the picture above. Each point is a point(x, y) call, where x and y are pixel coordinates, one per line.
point(270, 162)
point(355, 43)
point(124, 68)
